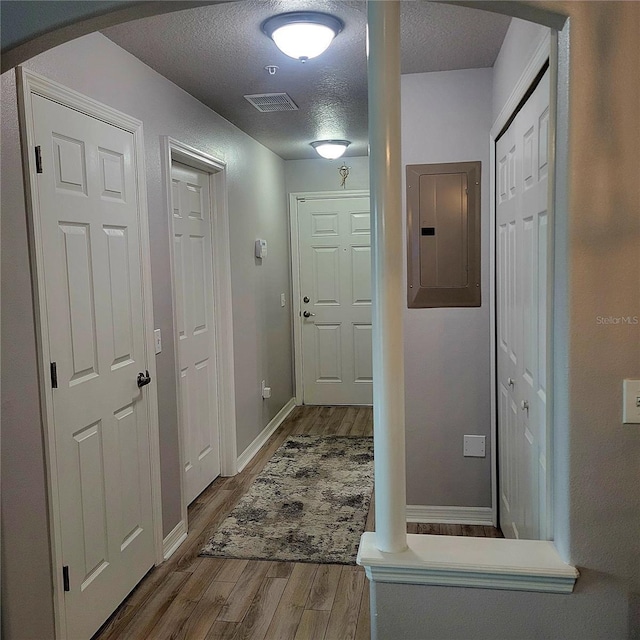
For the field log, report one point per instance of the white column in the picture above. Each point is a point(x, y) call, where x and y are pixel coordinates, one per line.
point(388, 284)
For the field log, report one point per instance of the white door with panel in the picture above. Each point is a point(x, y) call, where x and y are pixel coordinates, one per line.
point(334, 242)
point(91, 243)
point(193, 286)
point(522, 165)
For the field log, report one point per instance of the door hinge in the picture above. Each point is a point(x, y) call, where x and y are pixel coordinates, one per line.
point(65, 578)
point(54, 375)
point(38, 159)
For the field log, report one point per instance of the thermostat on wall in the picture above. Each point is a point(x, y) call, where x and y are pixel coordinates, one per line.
point(261, 249)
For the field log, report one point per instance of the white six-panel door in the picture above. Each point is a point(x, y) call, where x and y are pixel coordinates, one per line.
point(522, 164)
point(193, 285)
point(334, 245)
point(90, 234)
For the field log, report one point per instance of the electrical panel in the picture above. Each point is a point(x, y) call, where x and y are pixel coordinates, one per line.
point(443, 227)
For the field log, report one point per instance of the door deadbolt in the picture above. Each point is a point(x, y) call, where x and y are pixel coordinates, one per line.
point(305, 299)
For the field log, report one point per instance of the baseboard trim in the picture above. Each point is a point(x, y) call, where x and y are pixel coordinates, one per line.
point(177, 536)
point(248, 454)
point(450, 515)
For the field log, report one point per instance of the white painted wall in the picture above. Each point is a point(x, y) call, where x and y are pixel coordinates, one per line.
point(446, 117)
point(322, 175)
point(96, 67)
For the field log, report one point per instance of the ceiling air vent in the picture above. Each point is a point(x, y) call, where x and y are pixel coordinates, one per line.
point(270, 102)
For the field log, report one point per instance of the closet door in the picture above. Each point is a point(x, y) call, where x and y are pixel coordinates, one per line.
point(521, 298)
point(193, 284)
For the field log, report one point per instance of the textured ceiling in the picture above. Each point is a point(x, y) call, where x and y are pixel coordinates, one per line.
point(218, 54)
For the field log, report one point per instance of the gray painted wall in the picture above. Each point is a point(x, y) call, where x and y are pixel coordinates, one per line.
point(597, 609)
point(96, 67)
point(519, 45)
point(21, 19)
point(26, 561)
point(322, 175)
point(446, 117)
point(597, 458)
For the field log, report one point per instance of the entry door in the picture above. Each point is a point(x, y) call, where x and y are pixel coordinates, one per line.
point(335, 291)
point(193, 280)
point(89, 226)
point(521, 253)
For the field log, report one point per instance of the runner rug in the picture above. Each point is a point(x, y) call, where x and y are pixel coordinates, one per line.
point(309, 504)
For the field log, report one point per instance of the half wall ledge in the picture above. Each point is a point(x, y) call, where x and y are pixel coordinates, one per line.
point(485, 563)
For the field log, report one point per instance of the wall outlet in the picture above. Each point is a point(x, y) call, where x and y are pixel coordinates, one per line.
point(266, 391)
point(474, 447)
point(157, 340)
point(631, 401)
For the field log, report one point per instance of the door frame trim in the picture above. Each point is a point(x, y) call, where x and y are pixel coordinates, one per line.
point(546, 49)
point(30, 83)
point(174, 150)
point(294, 199)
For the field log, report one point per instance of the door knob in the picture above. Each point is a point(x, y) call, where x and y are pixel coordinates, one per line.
point(305, 299)
point(308, 314)
point(525, 405)
point(143, 379)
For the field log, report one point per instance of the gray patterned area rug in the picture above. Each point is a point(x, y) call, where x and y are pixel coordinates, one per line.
point(309, 504)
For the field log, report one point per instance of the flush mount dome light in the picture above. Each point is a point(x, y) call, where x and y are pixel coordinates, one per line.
point(330, 149)
point(302, 34)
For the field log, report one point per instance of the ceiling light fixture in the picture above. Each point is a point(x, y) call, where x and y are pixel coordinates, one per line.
point(330, 149)
point(302, 34)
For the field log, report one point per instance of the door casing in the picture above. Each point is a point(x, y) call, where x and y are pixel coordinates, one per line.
point(173, 150)
point(296, 309)
point(32, 83)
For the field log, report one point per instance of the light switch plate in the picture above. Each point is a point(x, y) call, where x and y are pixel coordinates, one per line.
point(261, 249)
point(283, 300)
point(631, 402)
point(474, 447)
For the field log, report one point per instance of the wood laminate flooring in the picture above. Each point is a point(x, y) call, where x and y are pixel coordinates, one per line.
point(193, 598)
